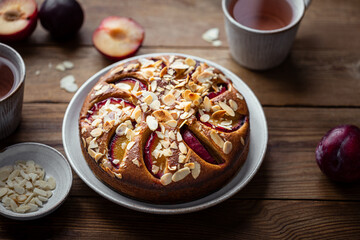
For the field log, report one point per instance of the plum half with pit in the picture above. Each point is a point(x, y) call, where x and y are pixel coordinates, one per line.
point(18, 19)
point(338, 153)
point(197, 147)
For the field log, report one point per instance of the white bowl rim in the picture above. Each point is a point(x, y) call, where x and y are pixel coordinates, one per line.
point(59, 202)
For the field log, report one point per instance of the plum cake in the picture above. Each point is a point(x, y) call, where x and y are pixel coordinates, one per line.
point(165, 129)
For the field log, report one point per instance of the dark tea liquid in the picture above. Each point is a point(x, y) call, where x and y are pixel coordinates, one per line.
point(262, 14)
point(7, 77)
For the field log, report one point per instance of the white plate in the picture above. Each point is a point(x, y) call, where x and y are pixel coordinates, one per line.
point(54, 164)
point(258, 143)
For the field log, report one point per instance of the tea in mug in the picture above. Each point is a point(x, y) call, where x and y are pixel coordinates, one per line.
point(262, 14)
point(7, 77)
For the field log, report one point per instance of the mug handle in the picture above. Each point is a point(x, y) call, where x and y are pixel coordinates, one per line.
point(307, 3)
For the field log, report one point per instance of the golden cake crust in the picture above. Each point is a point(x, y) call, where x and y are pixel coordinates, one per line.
point(182, 85)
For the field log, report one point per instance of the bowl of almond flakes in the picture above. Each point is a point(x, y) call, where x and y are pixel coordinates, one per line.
point(35, 180)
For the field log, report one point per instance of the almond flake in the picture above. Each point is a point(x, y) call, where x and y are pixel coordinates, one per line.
point(215, 108)
point(196, 171)
point(190, 165)
point(217, 139)
point(227, 147)
point(130, 145)
point(153, 86)
point(123, 86)
point(98, 156)
point(180, 174)
point(190, 61)
point(228, 109)
point(205, 76)
point(211, 35)
point(218, 114)
point(173, 145)
point(121, 129)
point(207, 104)
point(169, 99)
point(152, 123)
point(162, 115)
point(242, 141)
point(182, 148)
point(155, 105)
point(172, 135)
point(96, 132)
point(182, 158)
point(233, 104)
point(166, 179)
point(118, 69)
point(136, 162)
point(239, 96)
point(155, 169)
point(205, 118)
point(179, 137)
point(171, 123)
point(179, 65)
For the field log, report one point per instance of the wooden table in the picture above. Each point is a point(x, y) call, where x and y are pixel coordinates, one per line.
point(315, 89)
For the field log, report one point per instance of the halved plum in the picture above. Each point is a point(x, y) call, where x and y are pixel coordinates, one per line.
point(115, 149)
point(237, 121)
point(150, 146)
point(197, 146)
point(113, 100)
point(128, 83)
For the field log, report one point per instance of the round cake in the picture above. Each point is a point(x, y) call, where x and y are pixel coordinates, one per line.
point(165, 129)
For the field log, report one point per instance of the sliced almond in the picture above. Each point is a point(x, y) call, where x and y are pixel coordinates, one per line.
point(216, 138)
point(166, 179)
point(98, 156)
point(227, 147)
point(180, 174)
point(218, 114)
point(182, 148)
point(205, 118)
point(190, 61)
point(153, 86)
point(205, 76)
point(152, 123)
point(196, 171)
point(162, 115)
point(148, 99)
point(168, 99)
point(171, 123)
point(242, 141)
point(233, 104)
point(228, 109)
point(96, 132)
point(155, 105)
point(207, 104)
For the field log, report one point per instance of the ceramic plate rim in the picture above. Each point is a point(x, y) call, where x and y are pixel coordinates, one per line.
point(187, 207)
point(59, 202)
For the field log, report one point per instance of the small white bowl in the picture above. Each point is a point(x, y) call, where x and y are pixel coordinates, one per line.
point(54, 164)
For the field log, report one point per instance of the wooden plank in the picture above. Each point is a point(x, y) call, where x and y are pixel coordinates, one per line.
point(314, 78)
point(289, 170)
point(93, 218)
point(327, 24)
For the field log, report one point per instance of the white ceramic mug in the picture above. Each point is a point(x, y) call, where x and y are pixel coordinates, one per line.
point(262, 49)
point(11, 103)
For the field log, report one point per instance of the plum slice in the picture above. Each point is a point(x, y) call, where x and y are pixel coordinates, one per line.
point(115, 149)
point(237, 121)
point(221, 89)
point(128, 83)
point(94, 109)
point(149, 159)
point(197, 146)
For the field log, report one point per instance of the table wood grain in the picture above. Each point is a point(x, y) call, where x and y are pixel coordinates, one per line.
point(315, 89)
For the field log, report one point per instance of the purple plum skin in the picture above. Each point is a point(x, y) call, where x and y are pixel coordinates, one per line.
point(197, 147)
point(338, 154)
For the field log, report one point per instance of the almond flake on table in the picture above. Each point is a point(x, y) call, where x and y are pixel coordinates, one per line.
point(211, 35)
point(68, 83)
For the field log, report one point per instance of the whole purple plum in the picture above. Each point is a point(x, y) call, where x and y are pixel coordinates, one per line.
point(338, 153)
